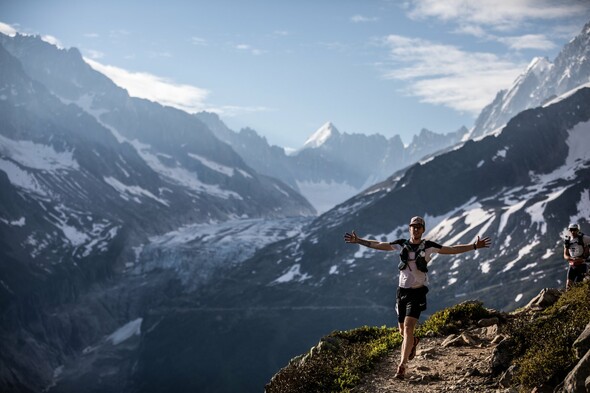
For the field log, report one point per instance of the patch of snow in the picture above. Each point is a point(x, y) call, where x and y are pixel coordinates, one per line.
point(565, 95)
point(583, 207)
point(294, 274)
point(6, 287)
point(529, 266)
point(125, 190)
point(37, 156)
point(485, 266)
point(500, 154)
point(319, 137)
point(507, 241)
point(126, 331)
point(279, 189)
point(15, 223)
point(536, 210)
point(521, 253)
point(578, 155)
point(223, 169)
point(21, 178)
point(180, 175)
point(509, 211)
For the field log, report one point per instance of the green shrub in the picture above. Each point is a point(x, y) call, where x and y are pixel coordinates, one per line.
point(337, 363)
point(542, 347)
point(451, 319)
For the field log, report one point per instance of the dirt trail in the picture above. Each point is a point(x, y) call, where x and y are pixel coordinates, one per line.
point(435, 369)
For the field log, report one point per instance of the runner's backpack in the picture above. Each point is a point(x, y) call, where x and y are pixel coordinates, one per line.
point(420, 256)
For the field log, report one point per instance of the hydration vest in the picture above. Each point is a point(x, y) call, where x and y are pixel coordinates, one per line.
point(420, 256)
point(578, 240)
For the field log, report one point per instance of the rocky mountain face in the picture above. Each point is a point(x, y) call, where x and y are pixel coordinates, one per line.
point(87, 176)
point(542, 81)
point(331, 166)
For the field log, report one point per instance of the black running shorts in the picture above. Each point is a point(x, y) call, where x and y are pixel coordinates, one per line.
point(410, 302)
point(576, 273)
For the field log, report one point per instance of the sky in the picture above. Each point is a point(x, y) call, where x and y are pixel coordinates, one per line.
point(286, 67)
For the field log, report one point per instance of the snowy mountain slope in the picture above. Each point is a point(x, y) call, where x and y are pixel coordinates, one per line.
point(164, 284)
point(540, 82)
point(87, 174)
point(179, 149)
point(522, 187)
point(318, 138)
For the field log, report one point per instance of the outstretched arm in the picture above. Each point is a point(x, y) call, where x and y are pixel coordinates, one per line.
point(461, 248)
point(354, 239)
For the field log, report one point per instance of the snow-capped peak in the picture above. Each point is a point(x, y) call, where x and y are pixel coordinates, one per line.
point(320, 137)
point(539, 66)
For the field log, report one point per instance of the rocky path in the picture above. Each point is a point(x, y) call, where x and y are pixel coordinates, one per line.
point(437, 367)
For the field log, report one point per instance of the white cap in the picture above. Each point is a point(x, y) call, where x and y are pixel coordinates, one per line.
point(417, 221)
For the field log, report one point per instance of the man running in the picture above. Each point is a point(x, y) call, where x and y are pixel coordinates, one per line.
point(575, 251)
point(415, 253)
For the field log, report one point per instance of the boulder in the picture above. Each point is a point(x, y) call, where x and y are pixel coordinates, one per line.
point(546, 298)
point(582, 343)
point(578, 379)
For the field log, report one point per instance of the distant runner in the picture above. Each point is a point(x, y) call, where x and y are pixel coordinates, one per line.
point(415, 253)
point(575, 251)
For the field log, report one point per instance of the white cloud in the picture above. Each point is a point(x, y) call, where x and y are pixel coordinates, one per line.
point(188, 98)
point(282, 33)
point(199, 41)
point(11, 32)
point(248, 48)
point(472, 30)
point(528, 41)
point(445, 75)
point(94, 54)
point(7, 29)
point(144, 85)
point(363, 19)
point(498, 14)
point(52, 40)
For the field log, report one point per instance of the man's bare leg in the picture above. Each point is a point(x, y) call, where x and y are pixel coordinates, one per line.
point(407, 331)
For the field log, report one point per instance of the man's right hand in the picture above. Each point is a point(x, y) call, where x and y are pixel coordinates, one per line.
point(351, 237)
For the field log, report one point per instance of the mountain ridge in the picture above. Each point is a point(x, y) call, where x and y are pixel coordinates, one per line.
point(332, 166)
point(539, 83)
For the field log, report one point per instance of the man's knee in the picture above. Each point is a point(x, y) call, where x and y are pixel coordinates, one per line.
point(410, 325)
